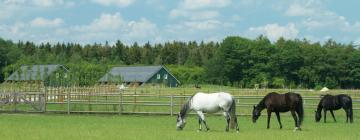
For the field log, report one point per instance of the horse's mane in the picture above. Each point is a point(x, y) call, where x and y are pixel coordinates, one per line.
point(186, 107)
point(261, 104)
point(323, 97)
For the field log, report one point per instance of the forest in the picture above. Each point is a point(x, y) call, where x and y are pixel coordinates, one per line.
point(235, 61)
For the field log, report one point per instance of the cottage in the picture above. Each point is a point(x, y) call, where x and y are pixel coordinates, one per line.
point(141, 75)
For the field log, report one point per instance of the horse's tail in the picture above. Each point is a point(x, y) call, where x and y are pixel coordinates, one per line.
point(300, 110)
point(351, 112)
point(232, 111)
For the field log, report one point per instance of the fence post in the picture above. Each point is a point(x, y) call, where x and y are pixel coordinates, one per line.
point(68, 102)
point(15, 100)
point(46, 97)
point(120, 103)
point(171, 105)
point(42, 102)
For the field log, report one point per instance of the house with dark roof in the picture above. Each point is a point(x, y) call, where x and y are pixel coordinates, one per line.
point(141, 75)
point(50, 75)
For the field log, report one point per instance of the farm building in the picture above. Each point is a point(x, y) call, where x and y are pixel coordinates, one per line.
point(49, 75)
point(141, 75)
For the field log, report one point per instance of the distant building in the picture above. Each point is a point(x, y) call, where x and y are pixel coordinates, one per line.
point(50, 75)
point(141, 75)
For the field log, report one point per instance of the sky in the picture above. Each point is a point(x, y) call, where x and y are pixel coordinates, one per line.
point(159, 21)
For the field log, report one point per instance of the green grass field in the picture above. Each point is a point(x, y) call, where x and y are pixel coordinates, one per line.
point(127, 127)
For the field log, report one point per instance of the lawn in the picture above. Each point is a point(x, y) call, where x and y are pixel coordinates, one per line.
point(127, 127)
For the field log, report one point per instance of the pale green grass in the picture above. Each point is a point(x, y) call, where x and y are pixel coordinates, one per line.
point(128, 127)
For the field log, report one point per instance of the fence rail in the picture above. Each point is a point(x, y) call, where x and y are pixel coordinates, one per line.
point(119, 103)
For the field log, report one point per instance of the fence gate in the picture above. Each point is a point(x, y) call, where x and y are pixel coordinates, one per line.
point(22, 102)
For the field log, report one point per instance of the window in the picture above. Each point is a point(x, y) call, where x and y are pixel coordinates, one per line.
point(158, 76)
point(165, 76)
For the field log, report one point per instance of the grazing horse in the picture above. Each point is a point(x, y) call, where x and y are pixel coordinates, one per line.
point(209, 103)
point(277, 103)
point(330, 102)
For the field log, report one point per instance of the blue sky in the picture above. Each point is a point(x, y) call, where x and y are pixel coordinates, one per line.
point(158, 21)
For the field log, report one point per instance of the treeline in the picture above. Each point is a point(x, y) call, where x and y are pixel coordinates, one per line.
point(235, 61)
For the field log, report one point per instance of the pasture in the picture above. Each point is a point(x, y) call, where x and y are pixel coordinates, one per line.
point(45, 124)
point(88, 127)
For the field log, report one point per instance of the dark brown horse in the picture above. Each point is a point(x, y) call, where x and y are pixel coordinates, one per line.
point(330, 102)
point(277, 103)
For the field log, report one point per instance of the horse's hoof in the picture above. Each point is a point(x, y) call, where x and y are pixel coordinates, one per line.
point(198, 130)
point(237, 131)
point(297, 128)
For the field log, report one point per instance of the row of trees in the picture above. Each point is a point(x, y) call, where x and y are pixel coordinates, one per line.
point(236, 61)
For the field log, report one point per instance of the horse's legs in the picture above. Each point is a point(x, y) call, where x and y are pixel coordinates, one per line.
point(295, 119)
point(332, 114)
point(347, 111)
point(236, 125)
point(269, 116)
point(200, 126)
point(202, 117)
point(325, 115)
point(227, 117)
point(278, 118)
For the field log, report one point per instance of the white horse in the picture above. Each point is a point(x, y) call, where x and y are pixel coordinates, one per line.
point(209, 103)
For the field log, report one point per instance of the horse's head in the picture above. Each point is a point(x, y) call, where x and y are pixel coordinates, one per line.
point(256, 114)
point(180, 122)
point(317, 116)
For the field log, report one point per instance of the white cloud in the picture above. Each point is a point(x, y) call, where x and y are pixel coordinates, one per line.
point(357, 42)
point(13, 2)
point(197, 26)
point(198, 9)
point(235, 18)
point(201, 4)
point(317, 17)
point(142, 28)
point(296, 9)
point(275, 31)
point(42, 22)
point(193, 15)
point(106, 27)
point(106, 22)
point(47, 3)
point(203, 25)
point(113, 27)
point(120, 3)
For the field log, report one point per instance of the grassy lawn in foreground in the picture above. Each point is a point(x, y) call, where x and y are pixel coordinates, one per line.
point(127, 127)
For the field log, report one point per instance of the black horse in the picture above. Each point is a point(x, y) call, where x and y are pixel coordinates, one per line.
point(331, 102)
point(277, 103)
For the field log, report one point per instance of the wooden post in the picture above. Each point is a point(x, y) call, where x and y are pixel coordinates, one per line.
point(15, 100)
point(46, 98)
point(121, 103)
point(89, 101)
point(134, 101)
point(171, 105)
point(42, 102)
point(68, 103)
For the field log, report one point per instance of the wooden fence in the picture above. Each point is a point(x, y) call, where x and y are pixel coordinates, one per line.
point(119, 102)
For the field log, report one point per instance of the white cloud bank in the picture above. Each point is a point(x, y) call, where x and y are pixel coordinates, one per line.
point(42, 22)
point(120, 3)
point(275, 31)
